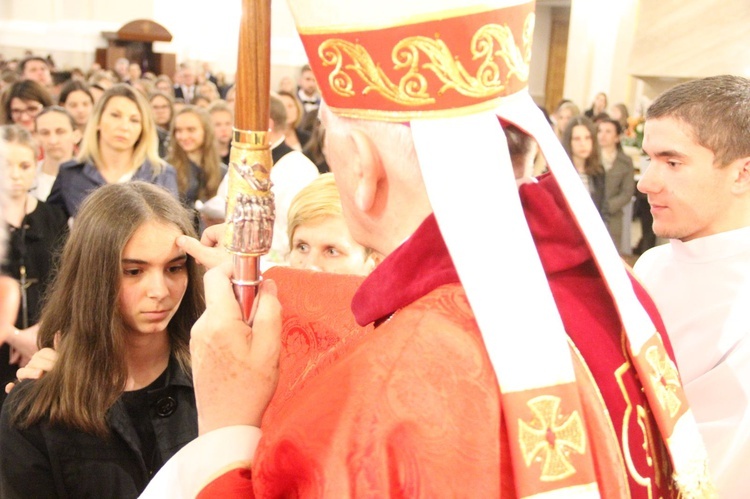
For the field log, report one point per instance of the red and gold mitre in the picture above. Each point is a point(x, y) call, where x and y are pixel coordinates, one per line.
point(423, 65)
point(453, 70)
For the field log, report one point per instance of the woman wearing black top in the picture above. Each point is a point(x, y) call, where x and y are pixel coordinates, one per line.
point(119, 401)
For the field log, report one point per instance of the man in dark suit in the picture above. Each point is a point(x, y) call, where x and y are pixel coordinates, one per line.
point(187, 89)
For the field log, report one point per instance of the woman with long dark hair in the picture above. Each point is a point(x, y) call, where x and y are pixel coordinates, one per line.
point(579, 141)
point(119, 401)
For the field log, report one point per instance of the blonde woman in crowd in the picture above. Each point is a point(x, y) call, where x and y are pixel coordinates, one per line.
point(564, 113)
point(57, 135)
point(318, 236)
point(120, 144)
point(36, 231)
point(598, 106)
point(296, 138)
point(195, 156)
point(223, 121)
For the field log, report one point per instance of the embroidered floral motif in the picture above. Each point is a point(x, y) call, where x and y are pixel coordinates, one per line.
point(491, 44)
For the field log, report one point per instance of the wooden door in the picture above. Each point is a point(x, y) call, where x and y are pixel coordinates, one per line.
point(558, 53)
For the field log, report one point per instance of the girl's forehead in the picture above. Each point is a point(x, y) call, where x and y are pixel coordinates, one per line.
point(153, 238)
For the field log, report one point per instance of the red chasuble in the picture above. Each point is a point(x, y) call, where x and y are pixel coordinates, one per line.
point(411, 408)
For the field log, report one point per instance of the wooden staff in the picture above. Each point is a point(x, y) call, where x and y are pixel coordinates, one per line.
point(250, 207)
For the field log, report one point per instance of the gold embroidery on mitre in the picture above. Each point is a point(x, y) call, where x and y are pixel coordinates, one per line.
point(489, 43)
point(664, 380)
point(552, 436)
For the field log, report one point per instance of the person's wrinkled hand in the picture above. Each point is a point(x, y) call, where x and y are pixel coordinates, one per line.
point(235, 367)
point(41, 362)
point(208, 251)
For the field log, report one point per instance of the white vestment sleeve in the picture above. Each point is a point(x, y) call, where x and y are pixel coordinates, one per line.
point(202, 460)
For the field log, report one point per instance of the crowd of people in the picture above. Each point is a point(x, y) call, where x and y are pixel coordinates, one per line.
point(76, 132)
point(399, 355)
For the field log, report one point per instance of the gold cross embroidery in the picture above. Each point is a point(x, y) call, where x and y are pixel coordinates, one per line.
point(552, 437)
point(664, 380)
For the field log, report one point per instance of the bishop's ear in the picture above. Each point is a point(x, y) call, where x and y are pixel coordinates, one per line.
point(742, 179)
point(368, 168)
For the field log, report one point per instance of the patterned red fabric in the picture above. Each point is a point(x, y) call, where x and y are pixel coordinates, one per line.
point(412, 408)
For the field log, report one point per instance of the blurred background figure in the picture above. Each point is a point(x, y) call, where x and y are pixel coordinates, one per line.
point(565, 111)
point(209, 90)
point(103, 79)
point(122, 70)
point(144, 86)
point(229, 96)
point(7, 78)
point(579, 141)
point(36, 69)
point(164, 84)
point(134, 72)
point(318, 236)
point(598, 107)
point(10, 294)
point(23, 101)
point(186, 89)
point(162, 105)
point(619, 113)
point(314, 148)
point(77, 99)
point(58, 136)
point(307, 90)
point(296, 138)
point(223, 120)
point(619, 179)
point(36, 231)
point(201, 101)
point(286, 84)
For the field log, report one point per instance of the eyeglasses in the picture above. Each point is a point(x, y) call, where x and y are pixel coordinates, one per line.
point(31, 111)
